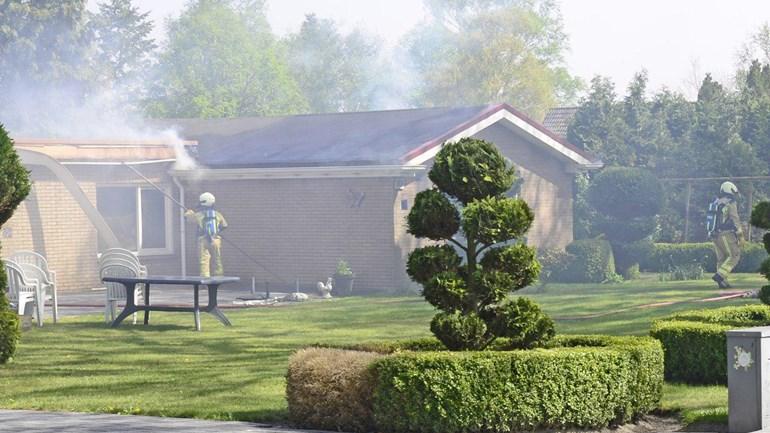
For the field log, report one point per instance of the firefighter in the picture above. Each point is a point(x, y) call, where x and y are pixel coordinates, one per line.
point(727, 234)
point(210, 224)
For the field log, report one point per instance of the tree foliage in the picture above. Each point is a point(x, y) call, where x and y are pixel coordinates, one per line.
point(14, 187)
point(221, 60)
point(721, 134)
point(482, 51)
point(335, 72)
point(472, 176)
point(123, 44)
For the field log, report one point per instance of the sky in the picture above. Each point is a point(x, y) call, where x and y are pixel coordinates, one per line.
point(676, 41)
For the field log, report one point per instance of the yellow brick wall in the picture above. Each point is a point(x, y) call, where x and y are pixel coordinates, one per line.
point(300, 228)
point(547, 187)
point(52, 223)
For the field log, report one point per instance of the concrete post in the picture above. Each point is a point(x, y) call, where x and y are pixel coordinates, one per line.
point(748, 379)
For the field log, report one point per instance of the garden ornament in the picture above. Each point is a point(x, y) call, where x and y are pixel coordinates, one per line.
point(325, 289)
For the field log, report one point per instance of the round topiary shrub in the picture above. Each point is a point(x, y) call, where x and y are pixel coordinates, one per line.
point(471, 178)
point(14, 187)
point(760, 217)
point(695, 343)
point(627, 201)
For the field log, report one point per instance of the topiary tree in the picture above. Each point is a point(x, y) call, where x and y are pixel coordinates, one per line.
point(760, 217)
point(627, 201)
point(14, 187)
point(471, 178)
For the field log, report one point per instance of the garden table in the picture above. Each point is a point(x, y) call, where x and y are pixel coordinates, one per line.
point(212, 283)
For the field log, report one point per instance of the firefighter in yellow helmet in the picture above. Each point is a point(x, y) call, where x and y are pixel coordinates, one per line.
point(210, 224)
point(727, 233)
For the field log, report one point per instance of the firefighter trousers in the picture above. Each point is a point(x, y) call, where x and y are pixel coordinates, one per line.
point(210, 248)
point(728, 251)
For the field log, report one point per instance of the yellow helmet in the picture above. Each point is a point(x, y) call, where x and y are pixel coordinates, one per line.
point(728, 188)
point(207, 199)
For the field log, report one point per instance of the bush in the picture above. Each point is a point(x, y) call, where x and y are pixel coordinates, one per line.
point(459, 331)
point(523, 323)
point(694, 342)
point(580, 381)
point(665, 257)
point(612, 382)
point(683, 273)
point(331, 389)
point(593, 262)
point(471, 178)
point(760, 215)
point(14, 187)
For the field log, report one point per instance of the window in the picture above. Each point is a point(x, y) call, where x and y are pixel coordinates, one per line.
point(139, 217)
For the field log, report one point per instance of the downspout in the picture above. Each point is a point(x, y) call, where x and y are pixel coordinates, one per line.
point(69, 182)
point(182, 231)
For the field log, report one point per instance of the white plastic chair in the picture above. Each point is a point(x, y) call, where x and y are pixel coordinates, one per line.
point(116, 291)
point(47, 279)
point(22, 290)
point(120, 253)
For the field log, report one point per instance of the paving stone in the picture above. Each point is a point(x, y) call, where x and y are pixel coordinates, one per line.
point(17, 421)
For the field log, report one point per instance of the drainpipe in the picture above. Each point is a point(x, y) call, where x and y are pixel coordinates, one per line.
point(182, 236)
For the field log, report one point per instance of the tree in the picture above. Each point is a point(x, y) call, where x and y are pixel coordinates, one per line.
point(471, 179)
point(334, 72)
point(218, 64)
point(14, 187)
point(477, 52)
point(598, 124)
point(45, 68)
point(123, 45)
point(627, 201)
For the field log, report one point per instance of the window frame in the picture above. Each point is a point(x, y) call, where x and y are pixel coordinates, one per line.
point(168, 249)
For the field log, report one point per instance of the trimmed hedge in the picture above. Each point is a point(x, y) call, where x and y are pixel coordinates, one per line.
point(585, 261)
point(583, 381)
point(331, 389)
point(665, 257)
point(695, 343)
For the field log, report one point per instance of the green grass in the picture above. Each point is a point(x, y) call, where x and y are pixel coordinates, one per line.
point(237, 373)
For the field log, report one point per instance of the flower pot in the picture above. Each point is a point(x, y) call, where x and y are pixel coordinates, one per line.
point(343, 285)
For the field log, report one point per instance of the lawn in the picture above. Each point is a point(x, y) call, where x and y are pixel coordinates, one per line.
point(237, 373)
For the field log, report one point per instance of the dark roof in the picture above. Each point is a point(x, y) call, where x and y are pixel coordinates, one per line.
point(558, 119)
point(362, 138)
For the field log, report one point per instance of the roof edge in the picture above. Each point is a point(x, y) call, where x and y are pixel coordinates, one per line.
point(589, 161)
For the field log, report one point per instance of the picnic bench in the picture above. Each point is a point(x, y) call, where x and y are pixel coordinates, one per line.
point(211, 283)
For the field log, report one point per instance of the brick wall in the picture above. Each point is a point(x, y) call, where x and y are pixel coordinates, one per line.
point(300, 228)
point(547, 186)
point(52, 223)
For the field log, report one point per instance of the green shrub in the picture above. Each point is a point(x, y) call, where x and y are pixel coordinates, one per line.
point(553, 262)
point(752, 256)
point(665, 257)
point(14, 187)
point(331, 389)
point(694, 342)
point(590, 387)
point(523, 323)
point(459, 331)
point(471, 178)
point(592, 262)
point(764, 295)
point(760, 215)
point(683, 273)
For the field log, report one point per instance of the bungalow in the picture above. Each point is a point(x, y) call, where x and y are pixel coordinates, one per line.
point(299, 193)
